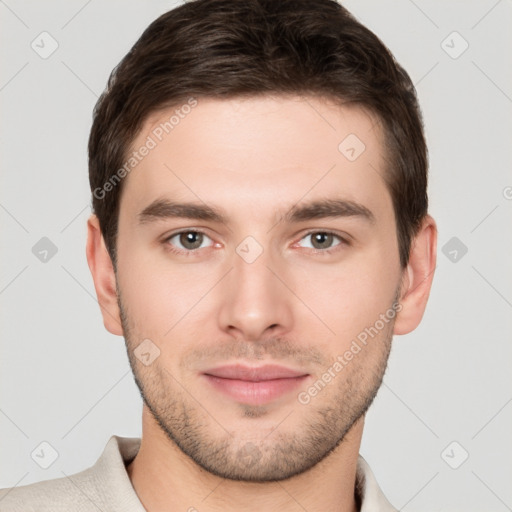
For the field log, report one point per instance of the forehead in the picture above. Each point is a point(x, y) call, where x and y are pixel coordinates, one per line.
point(258, 153)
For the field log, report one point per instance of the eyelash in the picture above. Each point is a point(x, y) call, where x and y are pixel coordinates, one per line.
point(194, 252)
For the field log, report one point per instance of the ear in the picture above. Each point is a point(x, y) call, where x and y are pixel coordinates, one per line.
point(103, 276)
point(417, 278)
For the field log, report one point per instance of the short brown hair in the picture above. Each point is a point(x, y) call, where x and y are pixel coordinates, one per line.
point(231, 48)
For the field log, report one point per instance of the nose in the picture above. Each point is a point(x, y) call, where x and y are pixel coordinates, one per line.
point(255, 301)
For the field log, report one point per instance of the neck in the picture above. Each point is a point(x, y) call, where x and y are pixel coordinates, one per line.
point(164, 478)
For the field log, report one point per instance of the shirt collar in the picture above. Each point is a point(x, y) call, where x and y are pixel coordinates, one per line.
point(371, 496)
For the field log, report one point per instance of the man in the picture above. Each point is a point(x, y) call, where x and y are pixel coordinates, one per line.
point(259, 173)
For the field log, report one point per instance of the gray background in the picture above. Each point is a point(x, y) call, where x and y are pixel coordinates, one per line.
point(66, 380)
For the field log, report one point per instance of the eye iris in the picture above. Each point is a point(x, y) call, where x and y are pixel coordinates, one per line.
point(322, 239)
point(188, 238)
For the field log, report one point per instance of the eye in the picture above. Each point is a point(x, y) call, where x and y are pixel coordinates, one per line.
point(321, 241)
point(190, 241)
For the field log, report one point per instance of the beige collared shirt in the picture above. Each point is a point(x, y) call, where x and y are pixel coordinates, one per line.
point(106, 487)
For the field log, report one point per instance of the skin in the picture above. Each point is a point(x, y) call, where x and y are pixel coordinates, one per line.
point(255, 158)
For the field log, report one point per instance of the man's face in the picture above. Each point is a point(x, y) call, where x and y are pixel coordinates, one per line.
point(260, 288)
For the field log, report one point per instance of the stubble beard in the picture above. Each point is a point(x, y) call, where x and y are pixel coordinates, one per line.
point(275, 456)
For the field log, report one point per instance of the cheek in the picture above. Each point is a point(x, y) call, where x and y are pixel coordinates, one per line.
point(156, 293)
point(352, 296)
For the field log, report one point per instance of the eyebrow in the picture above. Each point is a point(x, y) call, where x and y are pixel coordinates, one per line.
point(318, 209)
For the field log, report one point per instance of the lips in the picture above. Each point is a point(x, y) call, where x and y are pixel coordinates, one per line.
point(254, 374)
point(254, 385)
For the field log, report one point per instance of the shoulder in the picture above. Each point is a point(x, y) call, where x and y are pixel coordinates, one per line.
point(70, 493)
point(103, 486)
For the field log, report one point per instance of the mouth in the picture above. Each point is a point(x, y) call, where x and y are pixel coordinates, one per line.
point(254, 385)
